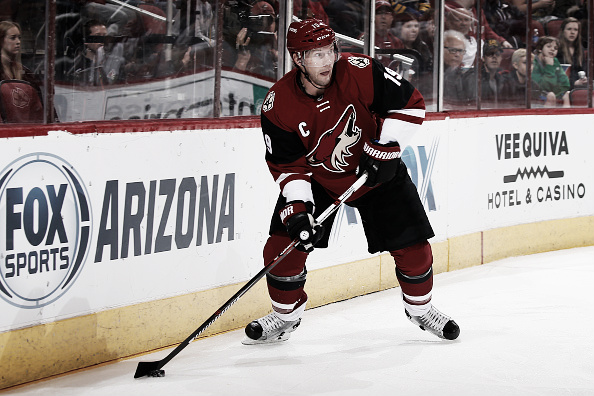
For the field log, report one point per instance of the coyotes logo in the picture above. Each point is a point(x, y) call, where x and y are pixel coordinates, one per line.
point(334, 144)
point(20, 98)
point(268, 102)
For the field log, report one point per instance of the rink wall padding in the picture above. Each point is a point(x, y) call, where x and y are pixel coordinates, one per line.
point(152, 226)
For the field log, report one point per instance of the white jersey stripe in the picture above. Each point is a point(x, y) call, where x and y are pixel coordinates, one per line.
point(419, 113)
point(392, 129)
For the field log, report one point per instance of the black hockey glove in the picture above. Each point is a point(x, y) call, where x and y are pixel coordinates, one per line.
point(297, 217)
point(381, 162)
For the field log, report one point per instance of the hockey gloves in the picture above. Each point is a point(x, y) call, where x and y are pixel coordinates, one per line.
point(381, 162)
point(297, 217)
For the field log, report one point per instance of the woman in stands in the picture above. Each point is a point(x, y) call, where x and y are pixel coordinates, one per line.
point(407, 29)
point(10, 41)
point(571, 52)
point(12, 67)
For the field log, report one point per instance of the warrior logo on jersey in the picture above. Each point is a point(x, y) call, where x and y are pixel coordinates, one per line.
point(268, 102)
point(334, 144)
point(361, 63)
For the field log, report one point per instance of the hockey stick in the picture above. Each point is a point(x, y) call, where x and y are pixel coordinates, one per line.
point(153, 369)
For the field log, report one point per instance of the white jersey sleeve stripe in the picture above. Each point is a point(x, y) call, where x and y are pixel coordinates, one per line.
point(420, 113)
point(392, 129)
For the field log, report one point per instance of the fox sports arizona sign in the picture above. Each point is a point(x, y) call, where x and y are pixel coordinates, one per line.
point(45, 229)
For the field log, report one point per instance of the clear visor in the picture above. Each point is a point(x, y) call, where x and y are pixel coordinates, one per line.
point(321, 57)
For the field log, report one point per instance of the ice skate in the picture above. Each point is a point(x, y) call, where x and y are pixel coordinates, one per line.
point(437, 323)
point(269, 329)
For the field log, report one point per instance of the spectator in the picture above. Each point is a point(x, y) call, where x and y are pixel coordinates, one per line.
point(540, 8)
point(407, 29)
point(346, 16)
point(190, 59)
point(548, 73)
point(417, 8)
point(486, 32)
point(571, 51)
point(427, 33)
point(204, 26)
point(12, 67)
point(516, 82)
point(567, 8)
point(384, 39)
point(578, 11)
point(305, 9)
point(492, 76)
point(92, 64)
point(195, 44)
point(255, 46)
point(453, 49)
point(119, 20)
point(461, 20)
point(506, 20)
point(455, 89)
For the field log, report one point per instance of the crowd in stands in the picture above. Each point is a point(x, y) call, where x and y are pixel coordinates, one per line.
point(558, 60)
point(101, 43)
point(104, 43)
point(497, 77)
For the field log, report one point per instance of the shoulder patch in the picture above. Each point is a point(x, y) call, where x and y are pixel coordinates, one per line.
point(268, 102)
point(359, 61)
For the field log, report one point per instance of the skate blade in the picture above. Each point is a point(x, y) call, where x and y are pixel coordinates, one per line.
point(283, 337)
point(431, 331)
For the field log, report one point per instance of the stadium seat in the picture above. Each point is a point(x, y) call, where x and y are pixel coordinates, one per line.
point(539, 26)
point(579, 97)
point(20, 102)
point(553, 27)
point(151, 24)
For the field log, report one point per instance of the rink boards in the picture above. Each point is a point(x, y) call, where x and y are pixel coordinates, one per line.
point(113, 244)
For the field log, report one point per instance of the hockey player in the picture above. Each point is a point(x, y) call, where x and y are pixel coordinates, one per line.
point(325, 122)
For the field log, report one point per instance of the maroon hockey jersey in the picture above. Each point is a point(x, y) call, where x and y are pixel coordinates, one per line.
point(322, 138)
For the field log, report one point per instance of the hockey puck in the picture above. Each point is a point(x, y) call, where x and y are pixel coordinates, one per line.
point(157, 373)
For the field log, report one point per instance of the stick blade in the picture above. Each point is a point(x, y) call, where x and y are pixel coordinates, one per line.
point(144, 368)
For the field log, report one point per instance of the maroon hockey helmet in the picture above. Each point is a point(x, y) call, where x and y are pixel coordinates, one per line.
point(308, 34)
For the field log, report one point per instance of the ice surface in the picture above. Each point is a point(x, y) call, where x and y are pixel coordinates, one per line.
point(526, 329)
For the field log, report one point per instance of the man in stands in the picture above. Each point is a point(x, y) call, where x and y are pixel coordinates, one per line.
point(93, 65)
point(331, 119)
point(457, 90)
point(492, 76)
point(384, 38)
